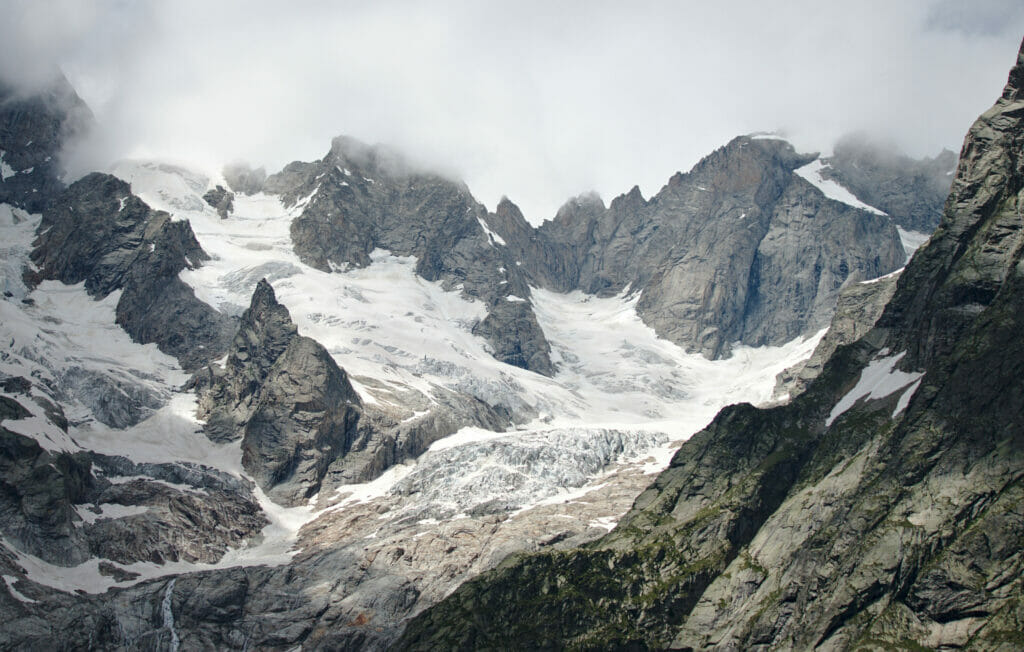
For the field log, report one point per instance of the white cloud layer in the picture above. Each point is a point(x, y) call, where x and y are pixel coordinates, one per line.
point(536, 100)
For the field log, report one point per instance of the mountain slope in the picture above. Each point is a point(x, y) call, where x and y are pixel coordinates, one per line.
point(381, 405)
point(358, 199)
point(913, 192)
point(740, 249)
point(881, 508)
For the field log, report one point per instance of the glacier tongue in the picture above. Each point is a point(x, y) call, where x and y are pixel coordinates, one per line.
point(507, 473)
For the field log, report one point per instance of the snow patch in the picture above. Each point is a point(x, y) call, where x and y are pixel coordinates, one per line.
point(911, 240)
point(812, 173)
point(15, 593)
point(605, 522)
point(905, 398)
point(883, 277)
point(6, 171)
point(878, 380)
point(768, 136)
point(494, 237)
point(354, 494)
point(108, 511)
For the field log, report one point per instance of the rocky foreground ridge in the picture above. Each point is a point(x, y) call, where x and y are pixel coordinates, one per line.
point(882, 508)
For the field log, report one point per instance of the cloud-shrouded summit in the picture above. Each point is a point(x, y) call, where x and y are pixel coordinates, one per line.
point(524, 99)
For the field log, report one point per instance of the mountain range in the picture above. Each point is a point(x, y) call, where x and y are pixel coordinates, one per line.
point(345, 405)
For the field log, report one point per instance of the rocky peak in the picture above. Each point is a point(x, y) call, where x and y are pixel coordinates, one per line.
point(264, 332)
point(588, 203)
point(507, 219)
point(97, 231)
point(354, 154)
point(631, 201)
point(283, 395)
point(360, 198)
point(911, 191)
point(720, 251)
point(35, 129)
point(1014, 89)
point(742, 163)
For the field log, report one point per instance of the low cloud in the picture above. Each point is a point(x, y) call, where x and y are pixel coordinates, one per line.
point(537, 101)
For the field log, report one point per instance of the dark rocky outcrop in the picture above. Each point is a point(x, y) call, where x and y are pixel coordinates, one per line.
point(387, 436)
point(52, 505)
point(360, 198)
point(34, 130)
point(222, 200)
point(890, 519)
point(284, 396)
point(115, 401)
point(911, 191)
point(516, 337)
point(100, 233)
point(738, 249)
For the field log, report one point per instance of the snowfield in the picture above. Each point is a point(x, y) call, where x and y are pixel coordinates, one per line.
point(621, 395)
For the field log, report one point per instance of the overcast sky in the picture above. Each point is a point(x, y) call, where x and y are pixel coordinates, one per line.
point(539, 101)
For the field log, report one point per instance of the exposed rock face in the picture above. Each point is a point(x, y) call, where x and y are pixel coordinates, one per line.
point(285, 397)
point(33, 132)
point(116, 402)
point(222, 200)
point(360, 198)
point(513, 331)
point(98, 232)
point(882, 507)
point(67, 508)
point(364, 568)
point(911, 191)
point(387, 436)
point(738, 249)
point(859, 307)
